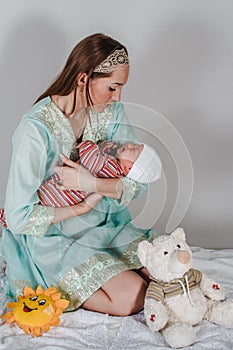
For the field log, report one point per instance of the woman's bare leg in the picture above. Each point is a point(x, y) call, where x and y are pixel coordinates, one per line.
point(122, 295)
point(144, 273)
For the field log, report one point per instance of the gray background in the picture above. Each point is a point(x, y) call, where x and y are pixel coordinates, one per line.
point(181, 55)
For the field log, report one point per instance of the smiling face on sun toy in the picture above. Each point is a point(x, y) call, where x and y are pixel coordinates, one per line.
point(37, 310)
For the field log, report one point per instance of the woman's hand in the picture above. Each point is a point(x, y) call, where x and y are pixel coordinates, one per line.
point(87, 204)
point(74, 176)
point(107, 147)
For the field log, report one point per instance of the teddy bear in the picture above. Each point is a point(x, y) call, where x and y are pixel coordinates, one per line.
point(178, 296)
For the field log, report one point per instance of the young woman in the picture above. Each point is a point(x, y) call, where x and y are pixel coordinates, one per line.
point(88, 250)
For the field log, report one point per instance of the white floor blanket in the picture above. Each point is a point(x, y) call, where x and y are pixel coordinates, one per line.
point(90, 330)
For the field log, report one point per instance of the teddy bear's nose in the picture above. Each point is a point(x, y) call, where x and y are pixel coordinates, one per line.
point(183, 256)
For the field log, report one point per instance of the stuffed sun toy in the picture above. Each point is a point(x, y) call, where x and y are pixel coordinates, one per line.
point(179, 297)
point(36, 311)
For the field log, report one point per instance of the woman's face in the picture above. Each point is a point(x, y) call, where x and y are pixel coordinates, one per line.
point(107, 90)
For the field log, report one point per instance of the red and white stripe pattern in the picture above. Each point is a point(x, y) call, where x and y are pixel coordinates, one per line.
point(2, 217)
point(50, 195)
point(99, 164)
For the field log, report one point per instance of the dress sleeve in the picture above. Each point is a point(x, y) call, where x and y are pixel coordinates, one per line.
point(121, 131)
point(23, 213)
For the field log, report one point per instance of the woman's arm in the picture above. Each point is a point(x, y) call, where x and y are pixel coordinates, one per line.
point(75, 177)
point(61, 214)
point(24, 214)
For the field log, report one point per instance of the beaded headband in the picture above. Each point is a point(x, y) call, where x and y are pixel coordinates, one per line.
point(116, 60)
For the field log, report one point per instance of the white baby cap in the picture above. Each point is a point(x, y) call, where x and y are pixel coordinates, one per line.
point(148, 166)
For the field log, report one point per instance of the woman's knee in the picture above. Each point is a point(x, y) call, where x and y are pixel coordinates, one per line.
point(133, 301)
point(123, 295)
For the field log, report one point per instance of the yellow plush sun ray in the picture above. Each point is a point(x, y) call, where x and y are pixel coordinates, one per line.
point(61, 304)
point(36, 311)
point(50, 291)
point(11, 305)
point(56, 296)
point(10, 318)
point(28, 291)
point(39, 290)
point(58, 312)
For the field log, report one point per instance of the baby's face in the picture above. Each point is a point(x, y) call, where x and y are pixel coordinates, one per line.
point(129, 151)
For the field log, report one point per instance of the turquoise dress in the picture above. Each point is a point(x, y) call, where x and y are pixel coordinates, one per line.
point(80, 254)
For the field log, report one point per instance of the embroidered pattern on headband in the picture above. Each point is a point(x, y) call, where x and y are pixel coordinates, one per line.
point(116, 60)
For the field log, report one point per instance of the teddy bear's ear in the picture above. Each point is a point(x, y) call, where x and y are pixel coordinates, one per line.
point(143, 248)
point(179, 234)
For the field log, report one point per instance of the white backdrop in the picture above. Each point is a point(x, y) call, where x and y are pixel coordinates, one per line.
point(181, 55)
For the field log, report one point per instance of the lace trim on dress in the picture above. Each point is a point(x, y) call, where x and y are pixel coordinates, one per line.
point(40, 219)
point(130, 190)
point(59, 126)
point(81, 282)
point(98, 124)
point(19, 285)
